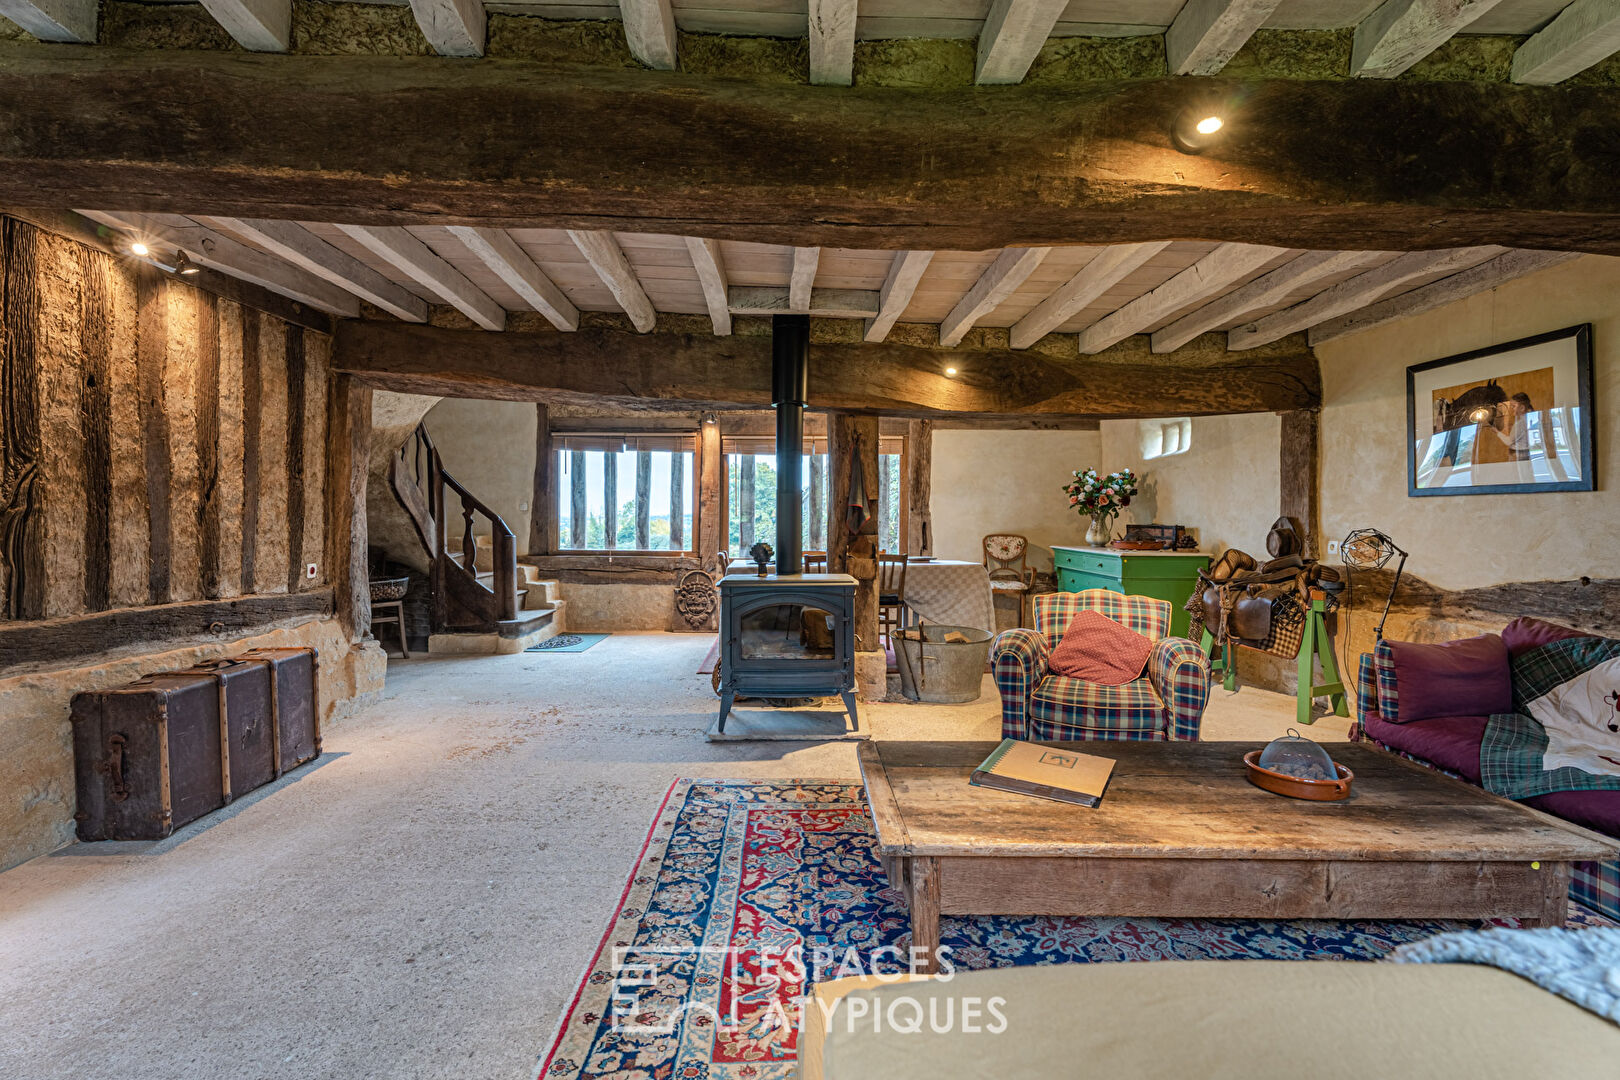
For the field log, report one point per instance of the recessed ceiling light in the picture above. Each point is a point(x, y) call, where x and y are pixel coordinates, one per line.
point(1198, 127)
point(950, 371)
point(138, 248)
point(1209, 125)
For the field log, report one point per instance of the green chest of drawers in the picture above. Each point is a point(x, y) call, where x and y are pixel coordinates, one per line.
point(1164, 575)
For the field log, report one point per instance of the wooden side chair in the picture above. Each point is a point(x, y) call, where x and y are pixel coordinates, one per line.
point(891, 585)
point(1006, 557)
point(815, 562)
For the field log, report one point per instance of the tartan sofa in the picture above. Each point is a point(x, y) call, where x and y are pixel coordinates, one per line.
point(1451, 745)
point(1167, 702)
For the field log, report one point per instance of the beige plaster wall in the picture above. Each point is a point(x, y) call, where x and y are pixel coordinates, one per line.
point(489, 447)
point(37, 797)
point(1007, 481)
point(619, 606)
point(1477, 540)
point(1226, 485)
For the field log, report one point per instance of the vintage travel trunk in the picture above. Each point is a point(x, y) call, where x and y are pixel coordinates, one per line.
point(295, 688)
point(246, 707)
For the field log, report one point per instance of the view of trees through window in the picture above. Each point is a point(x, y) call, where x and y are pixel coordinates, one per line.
point(622, 499)
point(751, 499)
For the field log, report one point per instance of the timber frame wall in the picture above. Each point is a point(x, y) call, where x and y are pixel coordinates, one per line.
point(163, 454)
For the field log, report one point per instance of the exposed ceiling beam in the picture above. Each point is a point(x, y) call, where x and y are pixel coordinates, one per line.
point(213, 249)
point(291, 241)
point(832, 42)
point(512, 264)
point(452, 27)
point(1359, 291)
point(401, 248)
point(1399, 33)
point(1204, 278)
point(1013, 33)
point(1099, 275)
point(1208, 33)
point(649, 29)
point(803, 276)
point(1584, 33)
point(1485, 276)
point(898, 287)
point(999, 281)
point(256, 25)
point(602, 251)
point(711, 272)
point(55, 20)
point(1264, 291)
point(823, 303)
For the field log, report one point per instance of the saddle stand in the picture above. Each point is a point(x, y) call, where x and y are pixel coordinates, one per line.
point(1316, 647)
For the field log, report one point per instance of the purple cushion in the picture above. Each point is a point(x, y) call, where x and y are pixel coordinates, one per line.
point(1598, 810)
point(1451, 742)
point(1524, 633)
point(1470, 677)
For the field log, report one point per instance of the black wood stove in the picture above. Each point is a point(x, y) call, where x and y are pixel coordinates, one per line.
point(788, 634)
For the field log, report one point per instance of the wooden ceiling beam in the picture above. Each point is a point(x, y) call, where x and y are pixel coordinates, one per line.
point(291, 241)
point(452, 27)
point(999, 281)
point(649, 30)
point(602, 251)
point(55, 20)
point(1478, 279)
point(1399, 33)
point(711, 271)
point(256, 25)
point(832, 42)
point(898, 287)
point(1013, 33)
point(402, 249)
point(1583, 33)
point(1107, 269)
point(803, 277)
point(1204, 278)
point(1208, 33)
point(213, 249)
point(664, 370)
point(1357, 292)
point(1392, 165)
point(509, 262)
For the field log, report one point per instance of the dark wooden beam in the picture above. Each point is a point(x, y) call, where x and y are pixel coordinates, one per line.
point(1344, 164)
point(348, 461)
point(919, 487)
point(893, 378)
point(1299, 463)
point(543, 508)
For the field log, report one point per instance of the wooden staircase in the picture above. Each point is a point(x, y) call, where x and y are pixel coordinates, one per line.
point(482, 600)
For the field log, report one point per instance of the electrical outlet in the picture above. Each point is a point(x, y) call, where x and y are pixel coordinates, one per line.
point(1333, 547)
point(311, 571)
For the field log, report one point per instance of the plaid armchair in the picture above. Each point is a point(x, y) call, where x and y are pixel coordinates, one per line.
point(1165, 703)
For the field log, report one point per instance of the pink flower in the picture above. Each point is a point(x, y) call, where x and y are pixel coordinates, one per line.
point(1073, 499)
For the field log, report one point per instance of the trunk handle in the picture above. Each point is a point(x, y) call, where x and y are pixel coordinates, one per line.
point(114, 766)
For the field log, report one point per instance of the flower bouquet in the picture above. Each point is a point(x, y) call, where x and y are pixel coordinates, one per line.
point(1100, 498)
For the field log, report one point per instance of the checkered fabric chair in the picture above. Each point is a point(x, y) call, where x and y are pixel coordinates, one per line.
point(1165, 703)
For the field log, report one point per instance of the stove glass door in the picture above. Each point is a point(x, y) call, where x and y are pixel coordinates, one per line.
point(786, 632)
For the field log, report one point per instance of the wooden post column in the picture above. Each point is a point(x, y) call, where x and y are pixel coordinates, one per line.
point(1299, 468)
point(346, 537)
point(857, 555)
point(708, 522)
point(543, 508)
point(919, 539)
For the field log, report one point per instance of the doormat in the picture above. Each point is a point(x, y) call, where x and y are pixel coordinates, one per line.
point(567, 643)
point(747, 892)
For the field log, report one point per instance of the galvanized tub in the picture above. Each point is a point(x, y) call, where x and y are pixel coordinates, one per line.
point(935, 670)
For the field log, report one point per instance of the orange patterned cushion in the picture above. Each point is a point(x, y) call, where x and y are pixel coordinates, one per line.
point(1099, 650)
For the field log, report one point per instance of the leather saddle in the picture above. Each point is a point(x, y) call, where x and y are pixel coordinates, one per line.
point(1237, 595)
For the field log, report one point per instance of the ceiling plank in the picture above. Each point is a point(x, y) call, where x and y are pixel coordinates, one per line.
point(1485, 276)
point(649, 29)
point(1264, 291)
point(823, 303)
point(832, 42)
point(1583, 33)
point(1399, 33)
point(803, 277)
point(898, 287)
point(711, 271)
point(291, 241)
point(1208, 33)
point(1359, 291)
point(1209, 275)
point(452, 27)
point(1099, 275)
point(256, 25)
point(213, 249)
point(55, 20)
point(510, 263)
point(1013, 33)
point(999, 280)
point(602, 251)
point(401, 248)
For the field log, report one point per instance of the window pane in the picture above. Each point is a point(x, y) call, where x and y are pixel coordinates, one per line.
point(629, 500)
point(751, 502)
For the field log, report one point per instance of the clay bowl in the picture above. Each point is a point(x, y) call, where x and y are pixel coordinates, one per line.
point(1296, 787)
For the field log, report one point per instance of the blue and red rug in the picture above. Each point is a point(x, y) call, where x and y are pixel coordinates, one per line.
point(748, 891)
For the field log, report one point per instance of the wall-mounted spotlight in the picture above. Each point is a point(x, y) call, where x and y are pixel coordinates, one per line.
point(183, 265)
point(710, 418)
point(139, 250)
point(1195, 129)
point(950, 373)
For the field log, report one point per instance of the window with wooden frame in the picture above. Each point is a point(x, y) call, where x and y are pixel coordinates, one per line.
point(629, 493)
point(750, 496)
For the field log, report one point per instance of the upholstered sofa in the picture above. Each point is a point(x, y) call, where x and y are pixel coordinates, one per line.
point(1167, 702)
point(1452, 745)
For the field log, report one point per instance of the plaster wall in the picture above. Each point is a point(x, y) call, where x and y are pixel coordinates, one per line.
point(489, 447)
point(1477, 540)
point(37, 797)
point(596, 607)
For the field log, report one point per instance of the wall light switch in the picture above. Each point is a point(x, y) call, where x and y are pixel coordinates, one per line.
point(1333, 547)
point(311, 571)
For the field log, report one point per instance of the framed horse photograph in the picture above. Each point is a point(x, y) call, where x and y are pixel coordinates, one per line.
point(1505, 419)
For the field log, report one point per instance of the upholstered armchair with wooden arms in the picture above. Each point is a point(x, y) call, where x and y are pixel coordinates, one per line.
point(1167, 702)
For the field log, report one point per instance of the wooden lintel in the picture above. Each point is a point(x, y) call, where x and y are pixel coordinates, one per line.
point(1374, 164)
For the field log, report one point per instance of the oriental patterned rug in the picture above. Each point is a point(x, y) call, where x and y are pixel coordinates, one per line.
point(746, 892)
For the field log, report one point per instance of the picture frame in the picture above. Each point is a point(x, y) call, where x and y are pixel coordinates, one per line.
point(1509, 419)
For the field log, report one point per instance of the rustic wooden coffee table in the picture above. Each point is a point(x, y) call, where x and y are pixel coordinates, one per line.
point(1182, 833)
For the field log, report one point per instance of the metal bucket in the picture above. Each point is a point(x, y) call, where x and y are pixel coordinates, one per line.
point(933, 669)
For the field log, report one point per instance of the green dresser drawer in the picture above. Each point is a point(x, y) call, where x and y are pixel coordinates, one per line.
point(1090, 562)
point(1165, 577)
point(1079, 581)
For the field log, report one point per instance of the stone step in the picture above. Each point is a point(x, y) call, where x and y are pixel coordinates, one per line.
point(511, 635)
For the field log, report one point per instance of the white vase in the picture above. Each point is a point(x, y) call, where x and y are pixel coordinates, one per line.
point(1100, 531)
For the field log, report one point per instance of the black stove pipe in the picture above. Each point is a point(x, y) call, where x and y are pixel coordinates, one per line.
point(790, 348)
